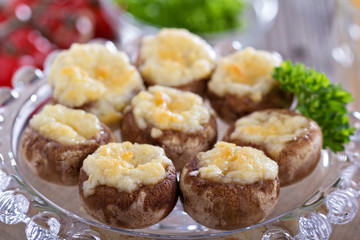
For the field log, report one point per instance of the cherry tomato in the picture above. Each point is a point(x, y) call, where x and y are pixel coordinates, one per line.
point(2, 15)
point(64, 26)
point(40, 26)
point(23, 46)
point(103, 28)
point(8, 64)
point(27, 41)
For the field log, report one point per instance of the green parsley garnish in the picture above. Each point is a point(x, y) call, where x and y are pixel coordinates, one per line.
point(319, 100)
point(198, 16)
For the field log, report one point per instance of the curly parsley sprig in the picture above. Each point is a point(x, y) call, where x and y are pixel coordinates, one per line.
point(319, 100)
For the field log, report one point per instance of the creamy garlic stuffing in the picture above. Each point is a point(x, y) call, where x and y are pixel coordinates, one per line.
point(273, 129)
point(175, 57)
point(227, 163)
point(124, 166)
point(245, 72)
point(65, 125)
point(169, 108)
point(88, 73)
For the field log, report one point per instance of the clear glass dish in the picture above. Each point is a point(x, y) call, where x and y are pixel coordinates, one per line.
point(305, 210)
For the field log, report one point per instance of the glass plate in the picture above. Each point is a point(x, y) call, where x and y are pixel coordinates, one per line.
point(305, 209)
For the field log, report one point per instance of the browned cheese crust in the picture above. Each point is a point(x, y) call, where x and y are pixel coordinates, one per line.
point(197, 86)
point(89, 106)
point(299, 156)
point(180, 147)
point(226, 206)
point(56, 162)
point(145, 206)
point(230, 107)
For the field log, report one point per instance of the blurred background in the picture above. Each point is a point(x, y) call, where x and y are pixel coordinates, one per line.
point(31, 29)
point(300, 30)
point(323, 34)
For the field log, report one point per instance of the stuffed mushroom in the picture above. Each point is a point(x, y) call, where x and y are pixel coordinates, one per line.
point(176, 58)
point(128, 185)
point(229, 187)
point(242, 83)
point(178, 121)
point(96, 79)
point(289, 138)
point(58, 139)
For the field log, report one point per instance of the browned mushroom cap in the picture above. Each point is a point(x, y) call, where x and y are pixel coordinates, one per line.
point(143, 207)
point(57, 162)
point(128, 185)
point(298, 156)
point(231, 107)
point(178, 121)
point(179, 146)
point(242, 83)
point(197, 86)
point(226, 206)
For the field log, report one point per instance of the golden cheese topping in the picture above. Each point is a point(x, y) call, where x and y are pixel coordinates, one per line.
point(124, 166)
point(169, 108)
point(92, 73)
point(227, 163)
point(65, 125)
point(245, 72)
point(175, 57)
point(273, 129)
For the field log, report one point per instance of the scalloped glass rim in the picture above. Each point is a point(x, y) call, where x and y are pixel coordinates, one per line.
point(15, 115)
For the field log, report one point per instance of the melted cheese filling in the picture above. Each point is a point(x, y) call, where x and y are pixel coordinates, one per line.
point(65, 125)
point(168, 108)
point(92, 73)
point(273, 129)
point(175, 57)
point(227, 163)
point(124, 166)
point(246, 72)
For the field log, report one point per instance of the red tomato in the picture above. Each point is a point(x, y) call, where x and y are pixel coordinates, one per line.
point(103, 29)
point(64, 26)
point(15, 3)
point(23, 46)
point(103, 24)
point(26, 41)
point(2, 15)
point(66, 21)
point(8, 66)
